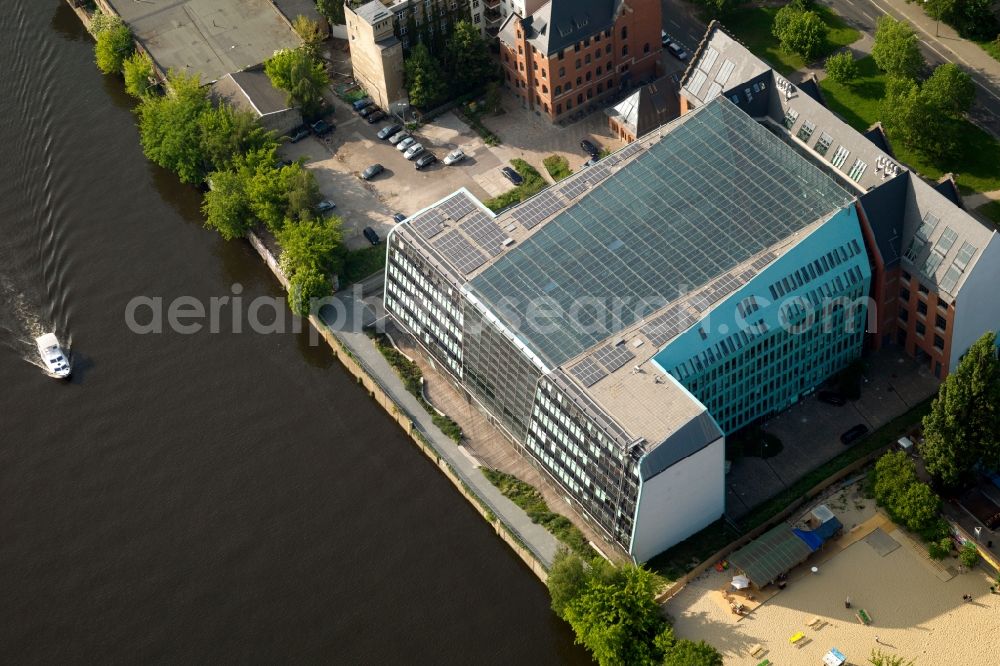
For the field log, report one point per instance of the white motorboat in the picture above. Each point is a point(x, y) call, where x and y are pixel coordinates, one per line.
point(52, 355)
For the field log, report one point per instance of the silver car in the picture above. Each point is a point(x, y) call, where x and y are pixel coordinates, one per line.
point(454, 157)
point(413, 151)
point(398, 136)
point(405, 144)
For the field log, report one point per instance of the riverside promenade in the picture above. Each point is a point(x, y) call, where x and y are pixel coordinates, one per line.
point(345, 321)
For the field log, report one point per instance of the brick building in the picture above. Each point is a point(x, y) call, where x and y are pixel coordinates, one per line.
point(572, 53)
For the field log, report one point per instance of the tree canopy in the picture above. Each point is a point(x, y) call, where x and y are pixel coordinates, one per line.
point(800, 30)
point(312, 243)
point(468, 60)
point(138, 70)
point(169, 129)
point(113, 46)
point(974, 19)
point(301, 75)
point(689, 653)
point(424, 79)
point(310, 33)
point(897, 50)
point(307, 285)
point(963, 425)
point(949, 90)
point(842, 67)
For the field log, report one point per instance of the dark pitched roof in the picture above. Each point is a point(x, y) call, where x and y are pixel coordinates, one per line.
point(562, 23)
point(876, 134)
point(810, 86)
point(947, 186)
point(648, 107)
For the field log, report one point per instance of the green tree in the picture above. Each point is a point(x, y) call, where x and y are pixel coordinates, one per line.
point(897, 50)
point(949, 90)
point(225, 205)
point(492, 102)
point(113, 46)
point(302, 77)
point(310, 34)
point(961, 429)
point(689, 653)
point(99, 22)
point(718, 8)
point(800, 31)
point(918, 507)
point(313, 244)
point(138, 71)
point(974, 19)
point(567, 579)
point(968, 555)
point(469, 64)
point(333, 10)
point(842, 67)
point(940, 548)
point(618, 621)
point(169, 129)
point(894, 474)
point(424, 79)
point(307, 285)
point(911, 117)
point(226, 133)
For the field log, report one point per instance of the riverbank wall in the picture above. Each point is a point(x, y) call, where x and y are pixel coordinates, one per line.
point(407, 422)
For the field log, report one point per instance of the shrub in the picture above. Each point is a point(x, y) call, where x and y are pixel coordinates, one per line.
point(841, 67)
point(533, 183)
point(968, 555)
point(938, 550)
point(557, 166)
point(113, 46)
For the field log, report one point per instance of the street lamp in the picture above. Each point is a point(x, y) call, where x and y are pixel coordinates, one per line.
point(937, 21)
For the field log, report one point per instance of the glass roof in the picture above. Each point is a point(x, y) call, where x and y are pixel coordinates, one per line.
point(714, 191)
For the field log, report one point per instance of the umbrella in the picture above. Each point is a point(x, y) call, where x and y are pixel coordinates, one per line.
point(741, 582)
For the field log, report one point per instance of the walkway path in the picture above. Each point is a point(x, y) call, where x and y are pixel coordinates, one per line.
point(348, 329)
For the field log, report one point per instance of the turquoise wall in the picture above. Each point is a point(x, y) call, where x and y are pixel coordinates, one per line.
point(783, 333)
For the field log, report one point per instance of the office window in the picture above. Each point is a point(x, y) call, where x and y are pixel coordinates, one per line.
point(939, 342)
point(562, 72)
point(904, 294)
point(586, 59)
point(579, 63)
point(921, 307)
point(625, 50)
point(904, 314)
point(558, 90)
point(921, 329)
point(624, 32)
point(607, 49)
point(940, 322)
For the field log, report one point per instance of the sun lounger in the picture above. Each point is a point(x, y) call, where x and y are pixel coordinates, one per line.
point(814, 622)
point(755, 650)
point(766, 662)
point(863, 617)
point(796, 637)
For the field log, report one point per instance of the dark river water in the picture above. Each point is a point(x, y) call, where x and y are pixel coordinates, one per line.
point(209, 497)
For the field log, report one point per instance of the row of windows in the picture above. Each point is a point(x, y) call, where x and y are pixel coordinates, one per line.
point(823, 145)
point(428, 328)
point(407, 317)
point(428, 298)
point(813, 270)
point(433, 289)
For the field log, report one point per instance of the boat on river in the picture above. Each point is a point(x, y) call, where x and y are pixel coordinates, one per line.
point(55, 360)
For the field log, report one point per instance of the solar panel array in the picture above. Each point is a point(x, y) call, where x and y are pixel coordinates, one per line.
point(612, 357)
point(623, 154)
point(484, 232)
point(589, 371)
point(429, 223)
point(714, 193)
point(591, 176)
point(458, 206)
point(537, 209)
point(460, 252)
point(763, 260)
point(674, 319)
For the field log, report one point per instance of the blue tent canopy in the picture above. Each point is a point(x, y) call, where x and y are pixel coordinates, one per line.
point(812, 539)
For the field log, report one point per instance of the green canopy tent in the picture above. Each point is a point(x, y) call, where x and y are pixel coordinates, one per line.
point(772, 553)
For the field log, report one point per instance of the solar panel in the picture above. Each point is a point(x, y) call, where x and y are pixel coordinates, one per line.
point(429, 223)
point(586, 180)
point(484, 232)
point(460, 252)
point(762, 261)
point(457, 206)
point(589, 371)
point(628, 151)
point(531, 213)
point(612, 357)
point(674, 320)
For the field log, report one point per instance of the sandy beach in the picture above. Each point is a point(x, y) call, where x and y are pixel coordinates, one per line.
point(915, 604)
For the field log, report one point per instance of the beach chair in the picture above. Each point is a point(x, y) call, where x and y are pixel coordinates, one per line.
point(796, 638)
point(814, 622)
point(766, 662)
point(755, 650)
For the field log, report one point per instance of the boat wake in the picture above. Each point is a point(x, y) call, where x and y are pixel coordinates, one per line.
point(21, 324)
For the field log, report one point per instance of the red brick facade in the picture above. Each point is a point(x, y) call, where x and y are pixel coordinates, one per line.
point(559, 83)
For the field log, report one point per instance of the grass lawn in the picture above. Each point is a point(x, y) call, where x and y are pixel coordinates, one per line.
point(557, 166)
point(993, 48)
point(978, 168)
point(359, 264)
point(753, 26)
point(992, 211)
point(533, 183)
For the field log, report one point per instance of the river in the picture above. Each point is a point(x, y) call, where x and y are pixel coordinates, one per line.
point(214, 497)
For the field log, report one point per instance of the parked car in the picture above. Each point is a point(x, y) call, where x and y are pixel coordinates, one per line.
point(282, 163)
point(512, 175)
point(378, 115)
point(372, 171)
point(591, 162)
point(413, 151)
point(298, 134)
point(405, 143)
point(831, 398)
point(367, 111)
point(322, 128)
point(454, 157)
point(362, 103)
point(426, 160)
point(675, 49)
point(589, 148)
point(388, 131)
point(371, 235)
point(399, 217)
point(398, 136)
point(853, 434)
point(325, 206)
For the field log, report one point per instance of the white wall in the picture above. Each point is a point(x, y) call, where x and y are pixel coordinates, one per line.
point(679, 501)
point(977, 309)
